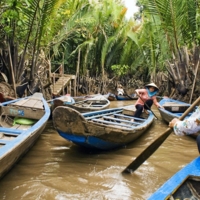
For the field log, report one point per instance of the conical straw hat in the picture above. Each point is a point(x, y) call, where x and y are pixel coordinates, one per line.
point(152, 85)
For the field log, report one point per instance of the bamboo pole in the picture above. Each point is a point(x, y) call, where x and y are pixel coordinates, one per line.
point(78, 68)
point(12, 72)
point(196, 72)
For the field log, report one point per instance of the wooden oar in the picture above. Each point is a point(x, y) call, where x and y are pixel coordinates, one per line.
point(154, 145)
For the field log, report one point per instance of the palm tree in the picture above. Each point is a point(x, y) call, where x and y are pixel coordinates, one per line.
point(177, 25)
point(31, 20)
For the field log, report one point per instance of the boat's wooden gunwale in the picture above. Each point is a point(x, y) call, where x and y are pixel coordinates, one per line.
point(17, 139)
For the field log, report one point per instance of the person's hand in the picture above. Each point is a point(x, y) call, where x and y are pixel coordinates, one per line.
point(161, 107)
point(173, 122)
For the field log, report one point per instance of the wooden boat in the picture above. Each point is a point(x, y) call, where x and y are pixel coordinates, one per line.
point(111, 97)
point(105, 129)
point(96, 103)
point(61, 101)
point(185, 184)
point(173, 109)
point(126, 97)
point(81, 98)
point(22, 121)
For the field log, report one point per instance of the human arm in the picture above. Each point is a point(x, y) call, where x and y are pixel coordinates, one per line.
point(189, 126)
point(156, 103)
point(140, 91)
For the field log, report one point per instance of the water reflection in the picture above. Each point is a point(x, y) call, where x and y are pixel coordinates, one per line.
point(57, 169)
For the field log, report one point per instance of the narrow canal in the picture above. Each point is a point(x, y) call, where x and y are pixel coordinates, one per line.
point(57, 169)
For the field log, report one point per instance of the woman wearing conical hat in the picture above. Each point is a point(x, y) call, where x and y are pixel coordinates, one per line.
point(147, 97)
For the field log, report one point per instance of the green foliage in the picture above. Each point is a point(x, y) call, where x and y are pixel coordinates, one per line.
point(120, 70)
point(106, 40)
point(177, 18)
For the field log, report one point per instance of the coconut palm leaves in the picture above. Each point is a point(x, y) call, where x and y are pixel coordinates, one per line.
point(39, 15)
point(177, 21)
point(98, 35)
point(100, 26)
point(177, 18)
point(29, 26)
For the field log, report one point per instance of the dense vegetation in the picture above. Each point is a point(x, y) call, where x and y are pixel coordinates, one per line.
point(95, 39)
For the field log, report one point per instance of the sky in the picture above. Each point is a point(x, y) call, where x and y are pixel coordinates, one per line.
point(132, 8)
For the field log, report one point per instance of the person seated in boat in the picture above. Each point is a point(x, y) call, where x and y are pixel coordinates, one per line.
point(120, 90)
point(188, 126)
point(147, 97)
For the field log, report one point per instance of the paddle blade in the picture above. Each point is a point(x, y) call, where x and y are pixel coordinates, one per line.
point(147, 152)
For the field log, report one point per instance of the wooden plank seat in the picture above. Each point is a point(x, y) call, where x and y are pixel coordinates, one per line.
point(121, 120)
point(11, 134)
point(175, 104)
point(91, 105)
point(5, 138)
point(100, 115)
point(4, 141)
point(4, 134)
point(11, 130)
point(84, 105)
point(97, 105)
point(175, 107)
point(21, 127)
point(31, 108)
point(8, 134)
point(96, 101)
point(111, 123)
point(129, 117)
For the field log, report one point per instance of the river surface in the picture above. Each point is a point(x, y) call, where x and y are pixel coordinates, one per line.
point(55, 169)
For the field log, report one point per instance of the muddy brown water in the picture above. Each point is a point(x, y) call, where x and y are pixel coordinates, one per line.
point(57, 169)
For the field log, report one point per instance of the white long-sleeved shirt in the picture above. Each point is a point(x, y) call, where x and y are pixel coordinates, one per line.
point(189, 126)
point(120, 91)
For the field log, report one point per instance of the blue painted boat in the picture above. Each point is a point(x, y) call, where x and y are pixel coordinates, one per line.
point(173, 109)
point(105, 129)
point(95, 103)
point(126, 97)
point(185, 184)
point(85, 104)
point(22, 121)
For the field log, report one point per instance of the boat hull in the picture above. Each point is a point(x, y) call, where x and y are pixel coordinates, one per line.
point(20, 149)
point(185, 184)
point(125, 97)
point(88, 131)
point(98, 102)
point(173, 109)
point(16, 140)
